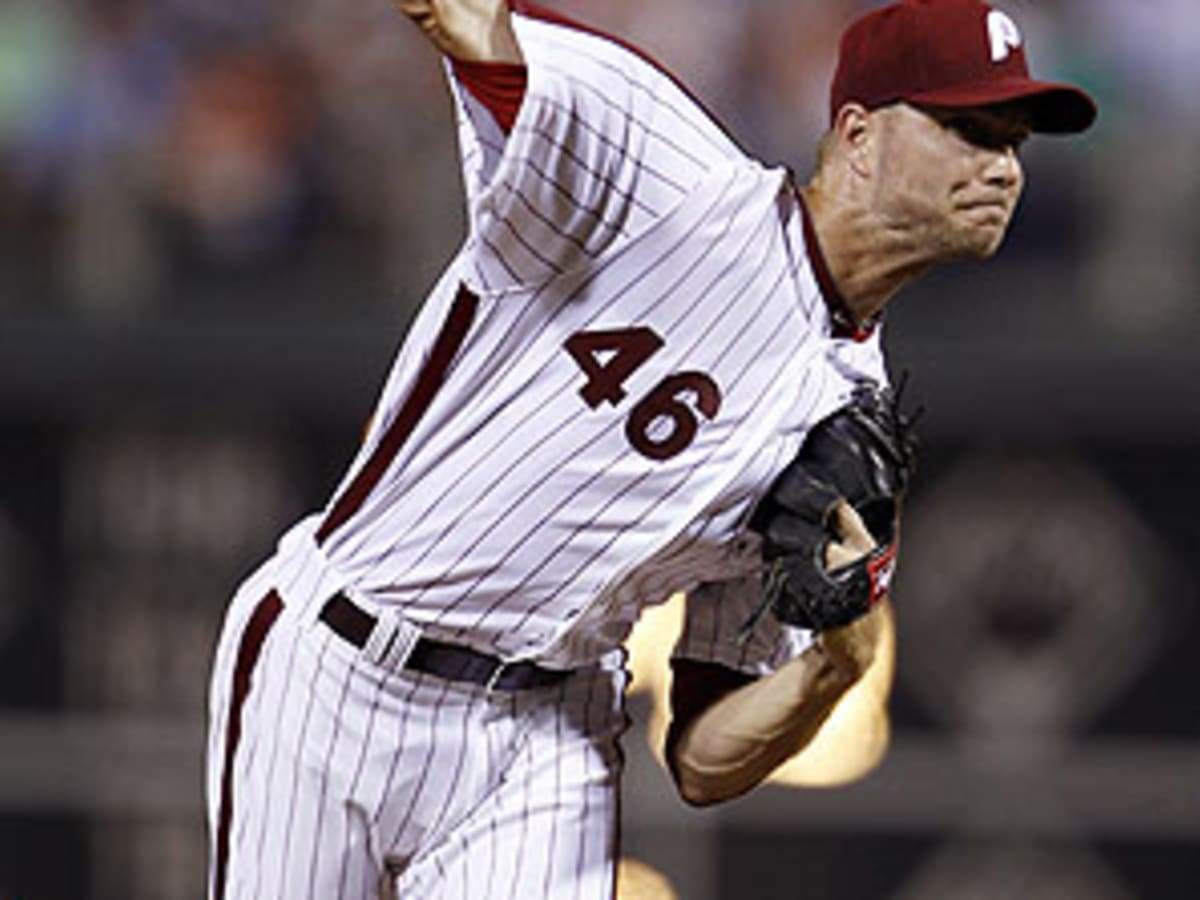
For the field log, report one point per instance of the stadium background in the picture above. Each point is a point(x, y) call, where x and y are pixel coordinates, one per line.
point(215, 218)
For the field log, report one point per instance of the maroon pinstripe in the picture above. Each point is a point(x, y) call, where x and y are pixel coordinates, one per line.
point(462, 314)
point(249, 648)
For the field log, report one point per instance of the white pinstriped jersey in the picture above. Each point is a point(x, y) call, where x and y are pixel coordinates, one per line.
point(648, 346)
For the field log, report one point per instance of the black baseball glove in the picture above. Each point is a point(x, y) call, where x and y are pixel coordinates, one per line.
point(864, 453)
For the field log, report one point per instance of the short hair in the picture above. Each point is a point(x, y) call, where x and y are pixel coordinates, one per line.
point(825, 150)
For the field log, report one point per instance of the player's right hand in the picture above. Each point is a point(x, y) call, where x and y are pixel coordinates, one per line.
point(467, 30)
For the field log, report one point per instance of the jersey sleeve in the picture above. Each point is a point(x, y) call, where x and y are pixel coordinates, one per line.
point(714, 616)
point(605, 144)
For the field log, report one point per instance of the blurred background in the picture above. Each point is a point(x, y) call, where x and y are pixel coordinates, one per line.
point(216, 219)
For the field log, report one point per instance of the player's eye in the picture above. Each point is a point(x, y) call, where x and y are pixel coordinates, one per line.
point(973, 132)
point(981, 134)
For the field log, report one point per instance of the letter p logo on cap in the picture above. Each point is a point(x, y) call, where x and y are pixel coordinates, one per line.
point(1003, 34)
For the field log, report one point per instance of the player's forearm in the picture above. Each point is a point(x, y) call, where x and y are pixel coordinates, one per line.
point(736, 743)
point(469, 30)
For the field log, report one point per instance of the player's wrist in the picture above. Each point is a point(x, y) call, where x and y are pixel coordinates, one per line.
point(851, 649)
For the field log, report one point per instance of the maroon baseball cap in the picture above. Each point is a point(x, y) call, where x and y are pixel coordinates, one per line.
point(949, 54)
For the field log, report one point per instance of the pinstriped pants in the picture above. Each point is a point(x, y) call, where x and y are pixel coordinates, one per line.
point(332, 778)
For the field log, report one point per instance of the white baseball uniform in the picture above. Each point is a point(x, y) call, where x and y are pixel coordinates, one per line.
point(630, 344)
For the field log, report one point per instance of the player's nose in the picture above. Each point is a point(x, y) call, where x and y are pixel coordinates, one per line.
point(1004, 169)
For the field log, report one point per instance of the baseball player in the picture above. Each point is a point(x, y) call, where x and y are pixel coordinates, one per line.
point(653, 366)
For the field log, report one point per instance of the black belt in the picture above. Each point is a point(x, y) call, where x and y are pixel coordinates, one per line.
point(447, 661)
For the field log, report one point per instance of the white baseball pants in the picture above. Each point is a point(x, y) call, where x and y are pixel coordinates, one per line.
point(333, 778)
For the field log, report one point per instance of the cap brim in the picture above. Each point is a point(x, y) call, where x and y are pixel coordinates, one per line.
point(1054, 108)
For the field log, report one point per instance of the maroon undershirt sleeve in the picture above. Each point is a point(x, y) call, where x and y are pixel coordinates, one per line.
point(498, 86)
point(695, 686)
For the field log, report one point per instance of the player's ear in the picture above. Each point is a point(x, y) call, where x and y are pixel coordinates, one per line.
point(856, 130)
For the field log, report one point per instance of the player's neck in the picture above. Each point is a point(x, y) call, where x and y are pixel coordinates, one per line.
point(869, 260)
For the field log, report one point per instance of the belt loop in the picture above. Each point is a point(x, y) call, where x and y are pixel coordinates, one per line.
point(497, 673)
point(391, 641)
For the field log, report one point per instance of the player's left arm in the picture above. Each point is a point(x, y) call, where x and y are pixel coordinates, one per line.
point(830, 528)
point(467, 30)
point(729, 731)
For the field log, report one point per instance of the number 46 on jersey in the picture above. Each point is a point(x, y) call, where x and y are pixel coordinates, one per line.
point(664, 422)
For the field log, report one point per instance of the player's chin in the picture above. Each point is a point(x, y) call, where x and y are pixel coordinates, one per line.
point(980, 242)
point(989, 249)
